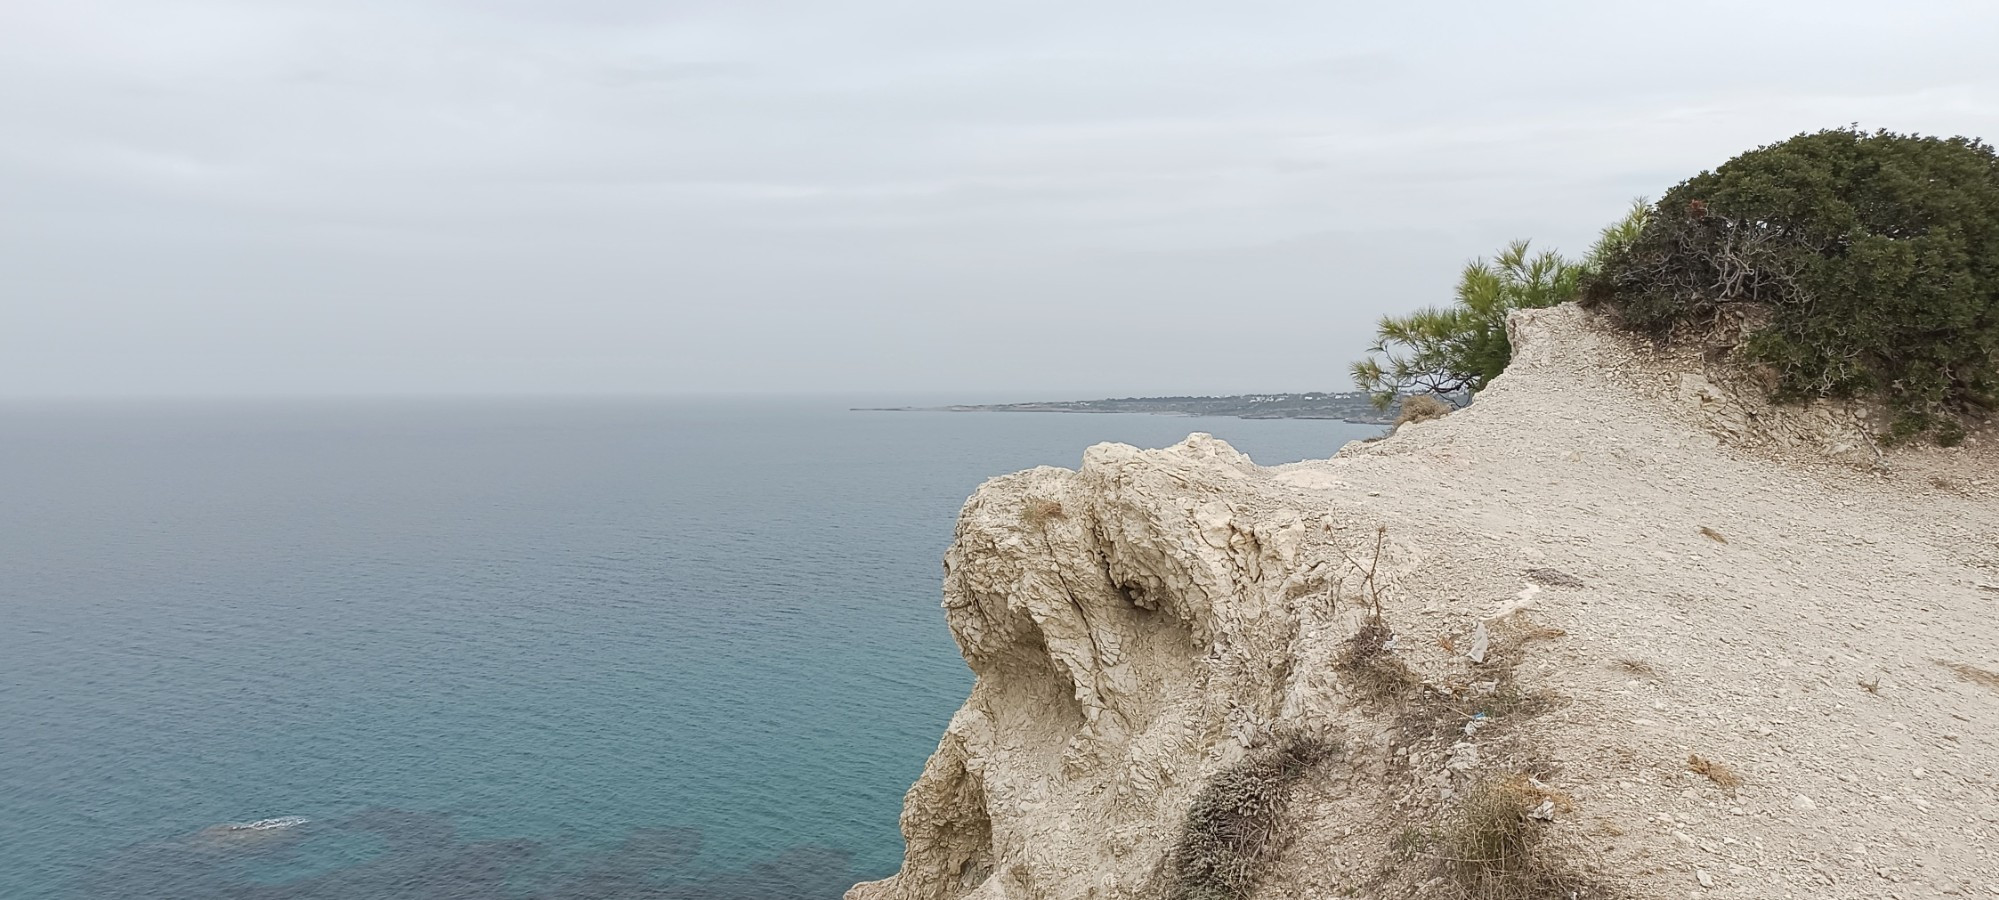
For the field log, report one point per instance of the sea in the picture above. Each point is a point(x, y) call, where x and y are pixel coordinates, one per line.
point(681, 648)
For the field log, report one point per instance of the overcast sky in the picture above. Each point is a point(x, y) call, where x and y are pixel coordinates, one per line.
point(1024, 198)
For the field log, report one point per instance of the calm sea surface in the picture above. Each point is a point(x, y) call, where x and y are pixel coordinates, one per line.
point(631, 649)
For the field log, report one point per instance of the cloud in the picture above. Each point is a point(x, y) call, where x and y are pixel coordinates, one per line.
point(426, 195)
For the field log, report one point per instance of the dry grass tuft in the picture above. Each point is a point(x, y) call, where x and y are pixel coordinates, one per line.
point(1528, 632)
point(1637, 667)
point(1230, 836)
point(1499, 844)
point(1500, 841)
point(1491, 692)
point(1372, 666)
point(1510, 637)
point(1719, 773)
point(1037, 511)
point(1509, 699)
point(1973, 674)
point(1422, 408)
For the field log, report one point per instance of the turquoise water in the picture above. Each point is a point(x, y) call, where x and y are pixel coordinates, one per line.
point(666, 649)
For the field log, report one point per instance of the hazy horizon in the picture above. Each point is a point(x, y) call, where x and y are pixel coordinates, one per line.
point(900, 398)
point(206, 198)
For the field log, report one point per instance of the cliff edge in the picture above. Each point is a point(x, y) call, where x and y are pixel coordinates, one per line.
point(1638, 634)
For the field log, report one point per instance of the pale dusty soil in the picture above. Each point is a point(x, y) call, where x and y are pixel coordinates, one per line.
point(1814, 621)
point(1809, 652)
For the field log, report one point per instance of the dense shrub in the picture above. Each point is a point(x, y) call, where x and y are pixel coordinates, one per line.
point(1499, 843)
point(1868, 264)
point(1230, 836)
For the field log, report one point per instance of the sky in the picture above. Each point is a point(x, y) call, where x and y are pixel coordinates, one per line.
point(1040, 200)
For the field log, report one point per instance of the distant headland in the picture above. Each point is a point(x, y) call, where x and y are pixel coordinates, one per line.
point(1346, 406)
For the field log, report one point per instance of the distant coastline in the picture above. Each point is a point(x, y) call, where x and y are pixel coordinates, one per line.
point(1345, 406)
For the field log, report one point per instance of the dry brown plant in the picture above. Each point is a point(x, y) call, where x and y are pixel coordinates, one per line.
point(1422, 408)
point(1501, 843)
point(1037, 511)
point(1637, 667)
point(1972, 674)
point(1719, 773)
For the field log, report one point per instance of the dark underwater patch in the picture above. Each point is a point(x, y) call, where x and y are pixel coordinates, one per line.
point(394, 854)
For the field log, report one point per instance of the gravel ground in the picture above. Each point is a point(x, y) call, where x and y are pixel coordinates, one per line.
point(1758, 588)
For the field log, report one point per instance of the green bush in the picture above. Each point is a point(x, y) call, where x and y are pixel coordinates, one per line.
point(1452, 351)
point(1868, 261)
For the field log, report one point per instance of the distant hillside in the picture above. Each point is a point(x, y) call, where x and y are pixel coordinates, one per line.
point(1346, 406)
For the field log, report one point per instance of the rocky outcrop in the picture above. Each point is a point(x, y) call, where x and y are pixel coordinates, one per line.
point(1131, 625)
point(1604, 567)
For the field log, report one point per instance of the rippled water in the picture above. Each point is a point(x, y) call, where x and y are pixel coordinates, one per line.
point(674, 649)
